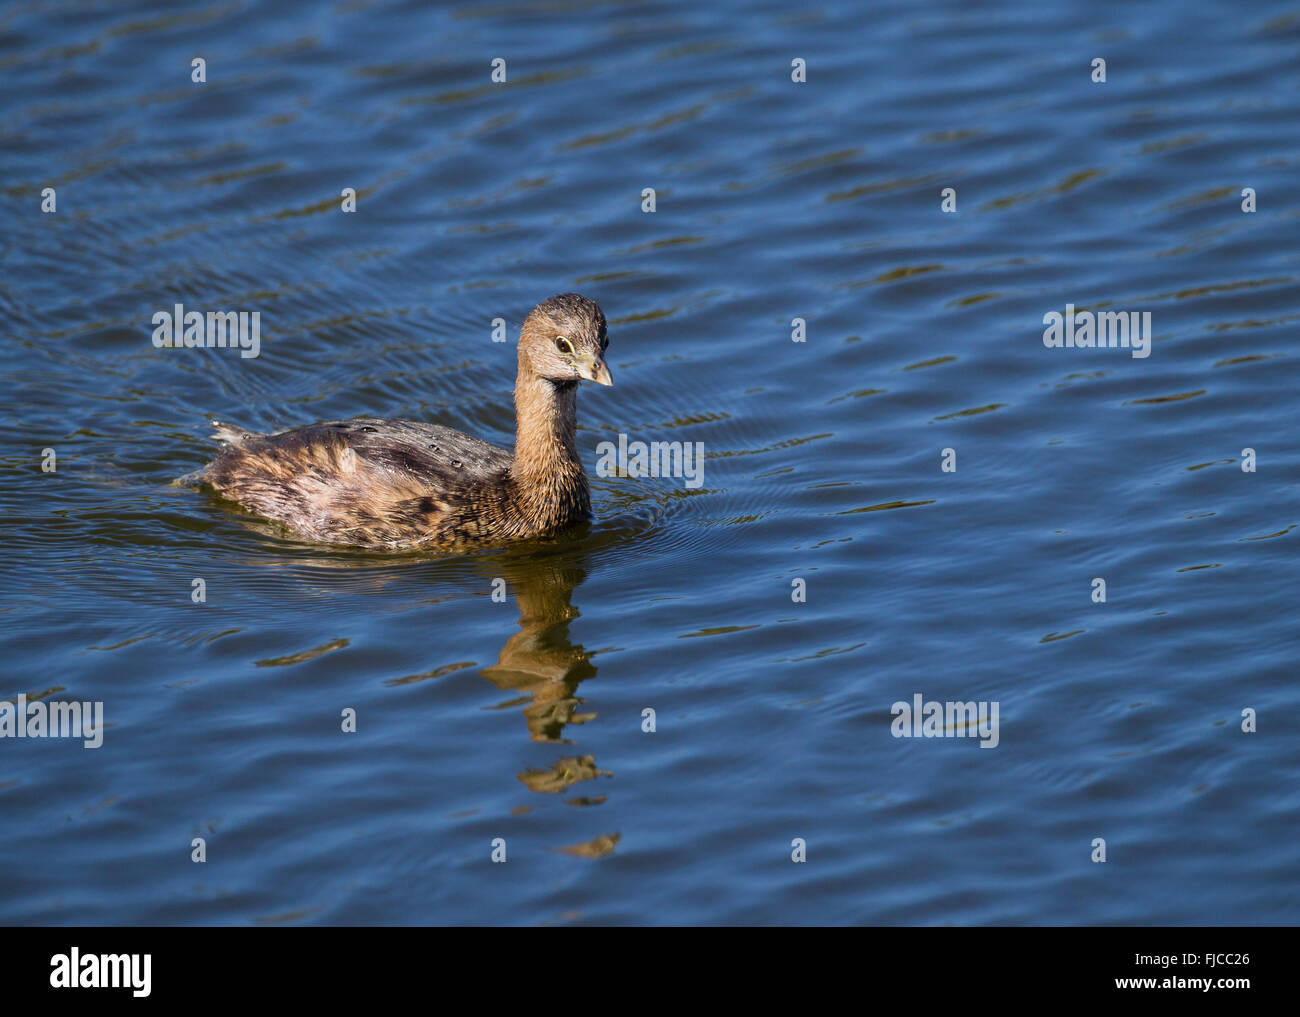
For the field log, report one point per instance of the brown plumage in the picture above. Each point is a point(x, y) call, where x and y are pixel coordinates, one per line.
point(399, 484)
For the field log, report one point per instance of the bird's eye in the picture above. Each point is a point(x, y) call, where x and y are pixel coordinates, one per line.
point(563, 345)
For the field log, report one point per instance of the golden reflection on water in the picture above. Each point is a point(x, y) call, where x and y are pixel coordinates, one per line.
point(543, 665)
point(540, 660)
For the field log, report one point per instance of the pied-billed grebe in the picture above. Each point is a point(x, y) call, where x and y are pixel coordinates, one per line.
point(399, 484)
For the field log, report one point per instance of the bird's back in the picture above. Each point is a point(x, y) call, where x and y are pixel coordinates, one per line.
point(388, 483)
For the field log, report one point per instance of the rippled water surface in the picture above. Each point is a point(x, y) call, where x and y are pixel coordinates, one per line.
point(775, 200)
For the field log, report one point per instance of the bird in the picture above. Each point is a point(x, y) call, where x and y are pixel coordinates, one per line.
point(401, 485)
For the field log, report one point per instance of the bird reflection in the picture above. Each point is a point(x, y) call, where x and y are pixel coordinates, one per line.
point(543, 665)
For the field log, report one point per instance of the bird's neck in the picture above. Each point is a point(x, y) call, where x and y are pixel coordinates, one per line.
point(546, 464)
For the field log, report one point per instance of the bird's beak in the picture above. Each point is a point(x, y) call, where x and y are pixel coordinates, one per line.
point(592, 367)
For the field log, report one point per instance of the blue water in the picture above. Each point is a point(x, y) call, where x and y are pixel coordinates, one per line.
point(522, 720)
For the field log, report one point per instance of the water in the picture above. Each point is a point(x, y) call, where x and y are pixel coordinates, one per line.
point(774, 200)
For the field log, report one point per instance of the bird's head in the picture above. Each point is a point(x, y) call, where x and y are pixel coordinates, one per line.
point(563, 339)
